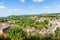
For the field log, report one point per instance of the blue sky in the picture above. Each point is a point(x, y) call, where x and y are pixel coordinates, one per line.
point(25, 7)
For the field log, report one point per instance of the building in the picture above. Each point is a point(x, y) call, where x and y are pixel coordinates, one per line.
point(54, 24)
point(32, 29)
point(3, 27)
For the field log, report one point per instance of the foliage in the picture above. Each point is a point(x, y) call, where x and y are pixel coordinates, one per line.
point(1, 37)
point(15, 33)
point(35, 36)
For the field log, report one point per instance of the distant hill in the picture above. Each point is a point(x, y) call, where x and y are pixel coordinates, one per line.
point(39, 15)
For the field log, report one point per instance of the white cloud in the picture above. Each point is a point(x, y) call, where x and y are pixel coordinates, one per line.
point(38, 0)
point(2, 7)
point(14, 10)
point(23, 1)
point(47, 8)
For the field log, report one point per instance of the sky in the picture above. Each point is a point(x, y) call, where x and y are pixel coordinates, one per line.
point(27, 7)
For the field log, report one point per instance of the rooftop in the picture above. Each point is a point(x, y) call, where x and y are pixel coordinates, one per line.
point(4, 25)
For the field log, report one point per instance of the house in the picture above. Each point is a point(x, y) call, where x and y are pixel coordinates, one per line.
point(32, 29)
point(29, 29)
point(3, 27)
point(33, 17)
point(44, 31)
point(54, 24)
point(40, 19)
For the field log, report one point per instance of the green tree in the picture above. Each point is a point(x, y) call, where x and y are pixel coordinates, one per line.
point(15, 33)
point(57, 33)
point(1, 37)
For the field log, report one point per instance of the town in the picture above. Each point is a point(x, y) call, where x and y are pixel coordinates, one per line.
point(34, 24)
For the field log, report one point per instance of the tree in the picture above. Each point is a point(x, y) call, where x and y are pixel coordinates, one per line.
point(46, 22)
point(52, 36)
point(41, 37)
point(1, 37)
point(15, 33)
point(57, 33)
point(35, 36)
